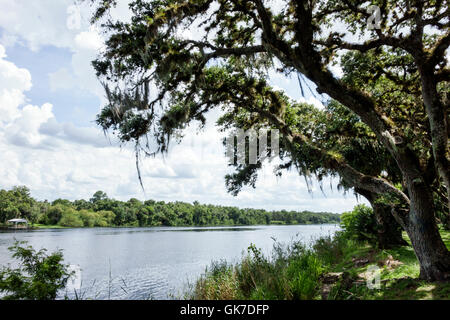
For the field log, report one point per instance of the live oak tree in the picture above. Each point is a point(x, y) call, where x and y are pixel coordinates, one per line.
point(340, 131)
point(204, 54)
point(337, 130)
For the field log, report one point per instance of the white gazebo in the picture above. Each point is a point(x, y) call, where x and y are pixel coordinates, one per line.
point(19, 223)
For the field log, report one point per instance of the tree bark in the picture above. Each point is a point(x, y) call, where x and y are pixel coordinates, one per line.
point(389, 231)
point(420, 225)
point(437, 115)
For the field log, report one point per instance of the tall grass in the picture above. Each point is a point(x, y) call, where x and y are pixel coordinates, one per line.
point(290, 272)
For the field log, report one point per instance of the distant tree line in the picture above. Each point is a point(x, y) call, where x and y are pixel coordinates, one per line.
point(101, 211)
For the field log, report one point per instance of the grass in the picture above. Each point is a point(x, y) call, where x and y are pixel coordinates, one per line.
point(402, 282)
point(37, 226)
point(337, 268)
point(43, 226)
point(291, 272)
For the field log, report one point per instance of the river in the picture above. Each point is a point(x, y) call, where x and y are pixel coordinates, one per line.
point(152, 263)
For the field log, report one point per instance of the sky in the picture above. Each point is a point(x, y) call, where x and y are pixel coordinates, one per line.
point(49, 98)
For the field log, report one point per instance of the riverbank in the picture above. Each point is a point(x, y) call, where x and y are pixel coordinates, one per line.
point(37, 226)
point(332, 269)
point(32, 227)
point(43, 226)
point(101, 211)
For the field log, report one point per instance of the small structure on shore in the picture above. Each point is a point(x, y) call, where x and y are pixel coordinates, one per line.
point(18, 223)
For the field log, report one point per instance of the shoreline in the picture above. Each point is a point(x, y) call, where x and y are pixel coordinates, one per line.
point(49, 227)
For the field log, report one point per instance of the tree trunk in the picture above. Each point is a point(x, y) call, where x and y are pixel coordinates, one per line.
point(420, 224)
point(389, 230)
point(437, 116)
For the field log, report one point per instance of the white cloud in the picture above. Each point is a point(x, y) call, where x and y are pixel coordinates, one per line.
point(89, 40)
point(13, 82)
point(24, 129)
point(29, 125)
point(38, 23)
point(62, 24)
point(80, 74)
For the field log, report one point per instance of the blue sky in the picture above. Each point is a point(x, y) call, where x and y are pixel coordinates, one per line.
point(49, 97)
point(72, 104)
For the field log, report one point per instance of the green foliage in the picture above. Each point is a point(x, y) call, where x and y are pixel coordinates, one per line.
point(332, 249)
point(294, 272)
point(17, 203)
point(305, 272)
point(399, 282)
point(101, 211)
point(230, 70)
point(54, 214)
point(98, 196)
point(360, 223)
point(38, 277)
point(219, 284)
point(290, 272)
point(70, 218)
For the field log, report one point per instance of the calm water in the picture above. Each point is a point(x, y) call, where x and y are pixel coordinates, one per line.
point(155, 263)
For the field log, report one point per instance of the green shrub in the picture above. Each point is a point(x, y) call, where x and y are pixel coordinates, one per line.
point(38, 277)
point(360, 223)
point(264, 278)
point(70, 218)
point(218, 283)
point(89, 218)
point(106, 217)
point(304, 274)
point(332, 249)
point(291, 272)
point(54, 214)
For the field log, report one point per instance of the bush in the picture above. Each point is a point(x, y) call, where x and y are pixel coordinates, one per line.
point(70, 218)
point(304, 273)
point(360, 223)
point(331, 249)
point(106, 217)
point(89, 218)
point(54, 214)
point(219, 283)
point(291, 272)
point(261, 278)
point(38, 277)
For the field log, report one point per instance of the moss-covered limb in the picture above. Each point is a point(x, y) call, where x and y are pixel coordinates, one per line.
point(255, 96)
